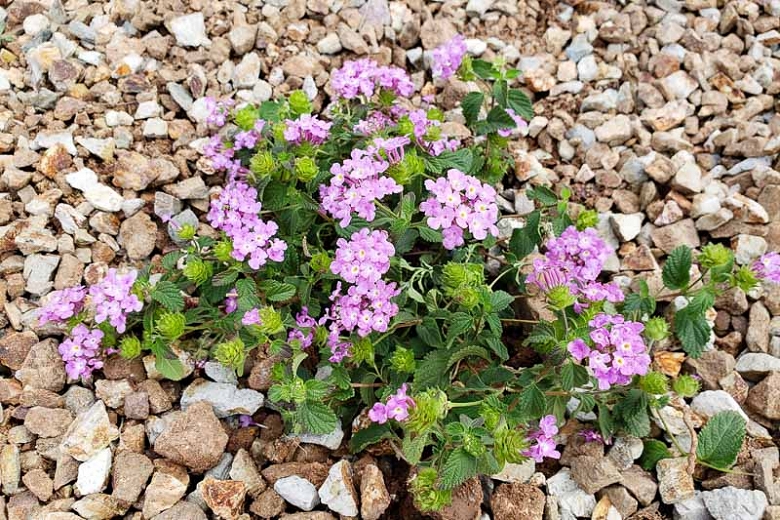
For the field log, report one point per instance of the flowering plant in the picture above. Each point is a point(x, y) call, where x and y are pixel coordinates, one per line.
point(358, 256)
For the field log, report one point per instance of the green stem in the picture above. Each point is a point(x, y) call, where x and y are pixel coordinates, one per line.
point(464, 405)
point(518, 320)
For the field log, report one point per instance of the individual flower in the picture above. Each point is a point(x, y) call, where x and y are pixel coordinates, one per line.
point(616, 352)
point(251, 317)
point(303, 334)
point(307, 128)
point(222, 157)
point(81, 351)
point(768, 267)
point(246, 421)
point(357, 183)
point(236, 212)
point(113, 299)
point(231, 301)
point(589, 435)
point(460, 203)
point(396, 408)
point(62, 305)
point(446, 59)
point(544, 440)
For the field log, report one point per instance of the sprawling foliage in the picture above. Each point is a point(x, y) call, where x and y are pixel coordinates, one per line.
point(360, 250)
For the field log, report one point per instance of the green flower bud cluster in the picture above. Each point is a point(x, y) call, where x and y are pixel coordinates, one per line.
point(427, 496)
point(231, 354)
point(657, 328)
point(587, 218)
point(654, 383)
point(715, 255)
point(222, 251)
point(306, 169)
point(430, 407)
point(560, 297)
point(404, 171)
point(686, 386)
point(130, 347)
point(271, 321)
point(363, 351)
point(508, 445)
point(299, 102)
point(403, 360)
point(197, 271)
point(744, 278)
point(187, 232)
point(245, 117)
point(262, 163)
point(320, 262)
point(171, 325)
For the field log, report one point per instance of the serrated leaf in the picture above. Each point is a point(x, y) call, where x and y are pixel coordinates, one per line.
point(605, 421)
point(170, 260)
point(533, 402)
point(366, 437)
point(227, 277)
point(459, 467)
point(693, 331)
point(432, 370)
point(168, 295)
point(277, 291)
point(461, 160)
point(497, 346)
point(483, 69)
point(632, 412)
point(467, 351)
point(316, 417)
point(677, 269)
point(429, 332)
point(500, 300)
point(430, 235)
point(654, 450)
point(471, 105)
point(721, 439)
point(520, 103)
point(573, 375)
point(525, 239)
point(413, 447)
point(459, 323)
point(544, 195)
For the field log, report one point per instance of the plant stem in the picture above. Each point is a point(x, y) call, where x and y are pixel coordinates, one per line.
point(464, 405)
point(518, 320)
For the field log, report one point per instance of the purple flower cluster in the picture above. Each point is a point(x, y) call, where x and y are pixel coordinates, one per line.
point(218, 111)
point(303, 333)
point(768, 267)
point(355, 185)
point(460, 202)
point(365, 307)
point(236, 212)
point(575, 259)
point(307, 128)
point(361, 78)
point(223, 157)
point(446, 59)
point(113, 298)
point(251, 317)
point(374, 122)
point(397, 407)
point(364, 258)
point(544, 440)
point(246, 140)
point(81, 351)
point(391, 149)
point(618, 351)
point(62, 305)
point(423, 127)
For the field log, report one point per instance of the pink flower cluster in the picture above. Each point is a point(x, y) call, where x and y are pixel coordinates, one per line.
point(460, 203)
point(544, 440)
point(575, 259)
point(396, 407)
point(367, 308)
point(248, 139)
point(619, 352)
point(355, 185)
point(446, 59)
point(422, 126)
point(81, 351)
point(364, 258)
point(361, 77)
point(236, 212)
point(113, 298)
point(62, 305)
point(307, 128)
point(218, 111)
point(390, 149)
point(222, 157)
point(303, 333)
point(251, 317)
point(768, 267)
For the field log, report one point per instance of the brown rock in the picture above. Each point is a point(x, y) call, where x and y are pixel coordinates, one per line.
point(14, 348)
point(313, 515)
point(224, 497)
point(39, 483)
point(47, 422)
point(677, 234)
point(675, 484)
point(163, 492)
point(466, 502)
point(10, 391)
point(436, 31)
point(43, 367)
point(640, 483)
point(130, 474)
point(757, 337)
point(195, 439)
point(712, 366)
point(245, 470)
point(316, 473)
point(260, 378)
point(183, 511)
point(137, 405)
point(133, 171)
point(764, 398)
point(594, 473)
point(159, 401)
point(54, 161)
point(513, 501)
point(374, 498)
point(268, 505)
point(99, 506)
point(138, 235)
point(577, 446)
point(621, 499)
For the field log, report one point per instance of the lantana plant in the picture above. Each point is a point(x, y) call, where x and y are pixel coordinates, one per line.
point(359, 248)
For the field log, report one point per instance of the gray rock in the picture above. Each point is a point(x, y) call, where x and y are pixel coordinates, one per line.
point(227, 399)
point(711, 402)
point(755, 365)
point(219, 373)
point(579, 48)
point(189, 30)
point(691, 509)
point(330, 44)
point(329, 440)
point(46, 140)
point(730, 503)
point(38, 272)
point(627, 227)
point(572, 501)
point(298, 491)
point(180, 95)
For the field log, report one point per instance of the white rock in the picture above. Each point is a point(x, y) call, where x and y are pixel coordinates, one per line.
point(155, 127)
point(189, 30)
point(38, 272)
point(147, 109)
point(118, 118)
point(5, 84)
point(749, 248)
point(755, 365)
point(227, 399)
point(330, 440)
point(93, 474)
point(711, 402)
point(516, 472)
point(89, 433)
point(625, 450)
point(104, 198)
point(298, 491)
point(475, 46)
point(35, 24)
point(691, 509)
point(573, 502)
point(103, 148)
point(730, 503)
point(478, 7)
point(330, 44)
point(627, 226)
point(48, 139)
point(246, 73)
point(587, 69)
point(678, 85)
point(338, 492)
point(688, 178)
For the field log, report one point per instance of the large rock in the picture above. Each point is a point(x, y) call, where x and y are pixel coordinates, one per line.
point(764, 398)
point(225, 398)
point(224, 497)
point(338, 491)
point(730, 503)
point(374, 498)
point(194, 439)
point(466, 501)
point(43, 367)
point(680, 233)
point(89, 433)
point(514, 501)
point(14, 348)
point(189, 30)
point(674, 482)
point(298, 491)
point(594, 473)
point(93, 473)
point(572, 500)
point(755, 365)
point(164, 491)
point(137, 235)
point(131, 473)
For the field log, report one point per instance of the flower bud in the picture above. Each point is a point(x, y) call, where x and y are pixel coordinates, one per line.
point(433, 133)
point(654, 383)
point(306, 169)
point(299, 102)
point(245, 117)
point(744, 278)
point(171, 325)
point(587, 218)
point(363, 350)
point(320, 262)
point(403, 360)
point(231, 354)
point(197, 271)
point(509, 445)
point(430, 407)
point(222, 250)
point(657, 329)
point(271, 321)
point(715, 255)
point(187, 232)
point(560, 297)
point(130, 347)
point(262, 164)
point(686, 386)
point(405, 126)
point(425, 492)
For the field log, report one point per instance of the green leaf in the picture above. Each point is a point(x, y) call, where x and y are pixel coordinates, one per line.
point(605, 421)
point(693, 331)
point(413, 447)
point(459, 323)
point(227, 277)
point(500, 300)
point(519, 102)
point(524, 240)
point(533, 402)
point(460, 467)
point(641, 302)
point(544, 195)
point(168, 295)
point(432, 370)
point(276, 291)
point(483, 69)
point(366, 437)
point(460, 160)
point(573, 375)
point(499, 119)
point(721, 439)
point(316, 417)
point(166, 362)
point(471, 104)
point(654, 451)
point(430, 235)
point(497, 346)
point(467, 351)
point(170, 260)
point(429, 332)
point(677, 269)
point(632, 411)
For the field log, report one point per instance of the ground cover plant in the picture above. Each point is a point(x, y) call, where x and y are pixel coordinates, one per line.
point(359, 248)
